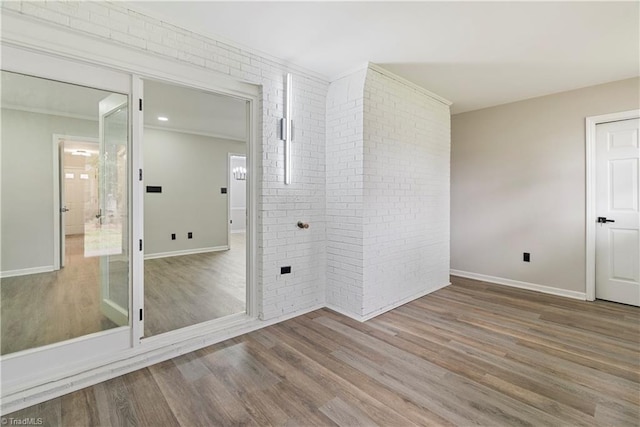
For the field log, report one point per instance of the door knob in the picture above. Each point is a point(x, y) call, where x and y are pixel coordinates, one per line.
point(602, 220)
point(64, 209)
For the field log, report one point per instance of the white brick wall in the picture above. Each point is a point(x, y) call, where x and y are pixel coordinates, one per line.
point(370, 163)
point(388, 149)
point(406, 192)
point(279, 207)
point(345, 106)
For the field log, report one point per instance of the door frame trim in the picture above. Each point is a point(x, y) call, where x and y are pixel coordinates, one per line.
point(590, 145)
point(230, 178)
point(58, 166)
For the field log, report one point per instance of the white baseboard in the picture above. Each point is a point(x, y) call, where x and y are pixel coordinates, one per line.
point(274, 320)
point(344, 312)
point(379, 311)
point(403, 301)
point(137, 358)
point(26, 271)
point(521, 285)
point(186, 252)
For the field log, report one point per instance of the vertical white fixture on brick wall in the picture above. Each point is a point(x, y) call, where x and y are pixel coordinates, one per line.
point(286, 131)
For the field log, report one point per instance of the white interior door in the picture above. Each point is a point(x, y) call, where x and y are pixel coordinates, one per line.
point(74, 191)
point(110, 240)
point(617, 199)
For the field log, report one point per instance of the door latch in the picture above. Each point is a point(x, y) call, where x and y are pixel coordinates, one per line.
point(602, 220)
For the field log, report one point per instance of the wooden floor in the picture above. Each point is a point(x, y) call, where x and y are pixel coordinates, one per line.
point(470, 354)
point(187, 290)
point(46, 308)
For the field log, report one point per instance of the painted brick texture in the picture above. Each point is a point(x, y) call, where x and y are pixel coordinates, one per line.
point(388, 159)
point(406, 192)
point(370, 169)
point(279, 207)
point(345, 116)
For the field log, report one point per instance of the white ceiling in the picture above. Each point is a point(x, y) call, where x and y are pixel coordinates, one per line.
point(188, 110)
point(476, 54)
point(194, 111)
point(38, 95)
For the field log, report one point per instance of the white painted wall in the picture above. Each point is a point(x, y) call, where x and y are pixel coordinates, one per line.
point(345, 152)
point(518, 185)
point(280, 207)
point(406, 192)
point(191, 169)
point(238, 196)
point(388, 146)
point(27, 186)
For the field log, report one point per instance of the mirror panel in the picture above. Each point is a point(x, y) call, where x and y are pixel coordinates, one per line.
point(60, 176)
point(195, 245)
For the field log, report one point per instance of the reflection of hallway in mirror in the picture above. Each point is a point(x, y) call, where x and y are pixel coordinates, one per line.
point(46, 308)
point(186, 290)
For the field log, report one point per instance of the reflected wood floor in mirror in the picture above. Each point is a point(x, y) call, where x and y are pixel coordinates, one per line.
point(472, 353)
point(46, 308)
point(190, 289)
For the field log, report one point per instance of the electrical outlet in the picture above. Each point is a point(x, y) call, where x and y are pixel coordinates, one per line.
point(173, 236)
point(526, 257)
point(190, 235)
point(285, 270)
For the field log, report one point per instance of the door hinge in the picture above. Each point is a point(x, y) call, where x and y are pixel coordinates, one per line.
point(140, 244)
point(140, 104)
point(141, 315)
point(140, 174)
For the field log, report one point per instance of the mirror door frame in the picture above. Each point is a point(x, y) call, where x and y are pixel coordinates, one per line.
point(251, 302)
point(39, 374)
point(32, 367)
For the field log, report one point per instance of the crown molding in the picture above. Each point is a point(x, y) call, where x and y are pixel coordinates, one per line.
point(192, 132)
point(377, 68)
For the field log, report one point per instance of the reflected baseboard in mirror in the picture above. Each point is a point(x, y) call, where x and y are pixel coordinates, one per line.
point(65, 219)
point(190, 289)
point(45, 308)
point(187, 154)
